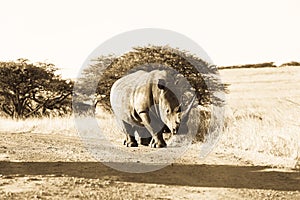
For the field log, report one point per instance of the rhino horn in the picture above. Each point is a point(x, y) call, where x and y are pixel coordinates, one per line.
point(188, 110)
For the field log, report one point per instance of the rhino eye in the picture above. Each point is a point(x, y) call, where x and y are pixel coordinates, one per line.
point(168, 111)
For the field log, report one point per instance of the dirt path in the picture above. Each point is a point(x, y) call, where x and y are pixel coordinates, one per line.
point(56, 167)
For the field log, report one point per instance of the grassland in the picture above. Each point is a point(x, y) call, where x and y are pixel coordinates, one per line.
point(262, 115)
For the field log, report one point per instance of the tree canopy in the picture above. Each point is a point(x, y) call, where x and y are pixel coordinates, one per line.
point(28, 89)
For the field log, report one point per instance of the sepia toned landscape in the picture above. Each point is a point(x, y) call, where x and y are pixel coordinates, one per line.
point(150, 100)
point(257, 155)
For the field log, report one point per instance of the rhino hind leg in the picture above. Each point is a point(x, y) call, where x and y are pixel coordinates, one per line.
point(145, 141)
point(145, 136)
point(130, 140)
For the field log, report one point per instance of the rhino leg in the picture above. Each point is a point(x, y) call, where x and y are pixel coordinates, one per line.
point(145, 141)
point(158, 141)
point(145, 136)
point(155, 128)
point(130, 140)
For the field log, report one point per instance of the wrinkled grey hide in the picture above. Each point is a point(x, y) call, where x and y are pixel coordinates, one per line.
point(148, 103)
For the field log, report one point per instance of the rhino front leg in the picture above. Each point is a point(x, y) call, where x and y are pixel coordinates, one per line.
point(155, 128)
point(158, 141)
point(130, 140)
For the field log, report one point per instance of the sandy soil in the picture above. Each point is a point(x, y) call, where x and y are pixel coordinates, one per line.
point(55, 167)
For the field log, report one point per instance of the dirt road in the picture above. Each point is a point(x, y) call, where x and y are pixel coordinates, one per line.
point(55, 167)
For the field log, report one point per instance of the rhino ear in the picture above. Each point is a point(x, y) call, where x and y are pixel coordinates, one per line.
point(161, 84)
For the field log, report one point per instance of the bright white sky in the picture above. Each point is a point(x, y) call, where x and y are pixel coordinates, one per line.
point(65, 32)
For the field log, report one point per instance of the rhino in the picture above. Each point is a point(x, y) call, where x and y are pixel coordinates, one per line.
point(148, 103)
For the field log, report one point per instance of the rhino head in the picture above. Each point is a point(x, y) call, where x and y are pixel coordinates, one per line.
point(170, 108)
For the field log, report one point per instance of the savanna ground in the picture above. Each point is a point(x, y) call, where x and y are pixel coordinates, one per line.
point(257, 156)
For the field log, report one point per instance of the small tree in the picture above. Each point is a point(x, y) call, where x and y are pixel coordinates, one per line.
point(28, 89)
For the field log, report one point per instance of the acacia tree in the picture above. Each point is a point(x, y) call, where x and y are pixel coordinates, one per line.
point(28, 89)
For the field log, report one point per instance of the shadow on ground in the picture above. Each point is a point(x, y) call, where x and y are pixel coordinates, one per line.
point(225, 176)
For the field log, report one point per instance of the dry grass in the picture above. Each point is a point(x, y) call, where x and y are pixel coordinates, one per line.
point(46, 125)
point(261, 138)
point(262, 122)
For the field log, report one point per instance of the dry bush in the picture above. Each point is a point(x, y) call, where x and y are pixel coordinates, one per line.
point(292, 63)
point(258, 65)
